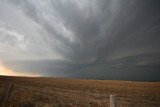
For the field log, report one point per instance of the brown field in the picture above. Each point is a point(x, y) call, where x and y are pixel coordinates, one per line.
point(61, 92)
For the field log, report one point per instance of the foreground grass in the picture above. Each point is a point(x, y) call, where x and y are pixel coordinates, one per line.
point(60, 92)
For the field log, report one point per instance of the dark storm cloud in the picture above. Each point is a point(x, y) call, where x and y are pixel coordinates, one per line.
point(94, 39)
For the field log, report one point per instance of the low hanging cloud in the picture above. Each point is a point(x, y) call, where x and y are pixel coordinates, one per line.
point(105, 39)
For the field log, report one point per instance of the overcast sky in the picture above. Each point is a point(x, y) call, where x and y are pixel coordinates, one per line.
point(98, 39)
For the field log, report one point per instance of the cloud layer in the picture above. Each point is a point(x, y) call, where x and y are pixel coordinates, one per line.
point(105, 39)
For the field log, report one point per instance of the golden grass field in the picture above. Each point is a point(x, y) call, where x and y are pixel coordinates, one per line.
point(62, 92)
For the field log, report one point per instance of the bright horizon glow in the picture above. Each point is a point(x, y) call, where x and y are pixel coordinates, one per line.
point(9, 72)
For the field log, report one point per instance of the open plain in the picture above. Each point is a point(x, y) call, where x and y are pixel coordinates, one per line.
point(63, 92)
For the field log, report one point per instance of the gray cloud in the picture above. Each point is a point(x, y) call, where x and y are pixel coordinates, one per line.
point(91, 39)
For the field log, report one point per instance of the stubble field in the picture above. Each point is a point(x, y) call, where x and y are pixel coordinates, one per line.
point(62, 92)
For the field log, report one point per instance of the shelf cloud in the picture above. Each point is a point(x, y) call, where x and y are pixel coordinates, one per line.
point(104, 39)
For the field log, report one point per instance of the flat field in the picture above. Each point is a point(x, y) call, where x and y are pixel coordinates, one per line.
point(63, 92)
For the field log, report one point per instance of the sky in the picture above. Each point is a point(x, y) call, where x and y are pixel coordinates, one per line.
point(95, 39)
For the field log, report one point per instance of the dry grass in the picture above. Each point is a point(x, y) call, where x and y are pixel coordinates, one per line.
point(58, 92)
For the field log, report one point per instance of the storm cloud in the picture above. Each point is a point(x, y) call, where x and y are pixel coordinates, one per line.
point(104, 39)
